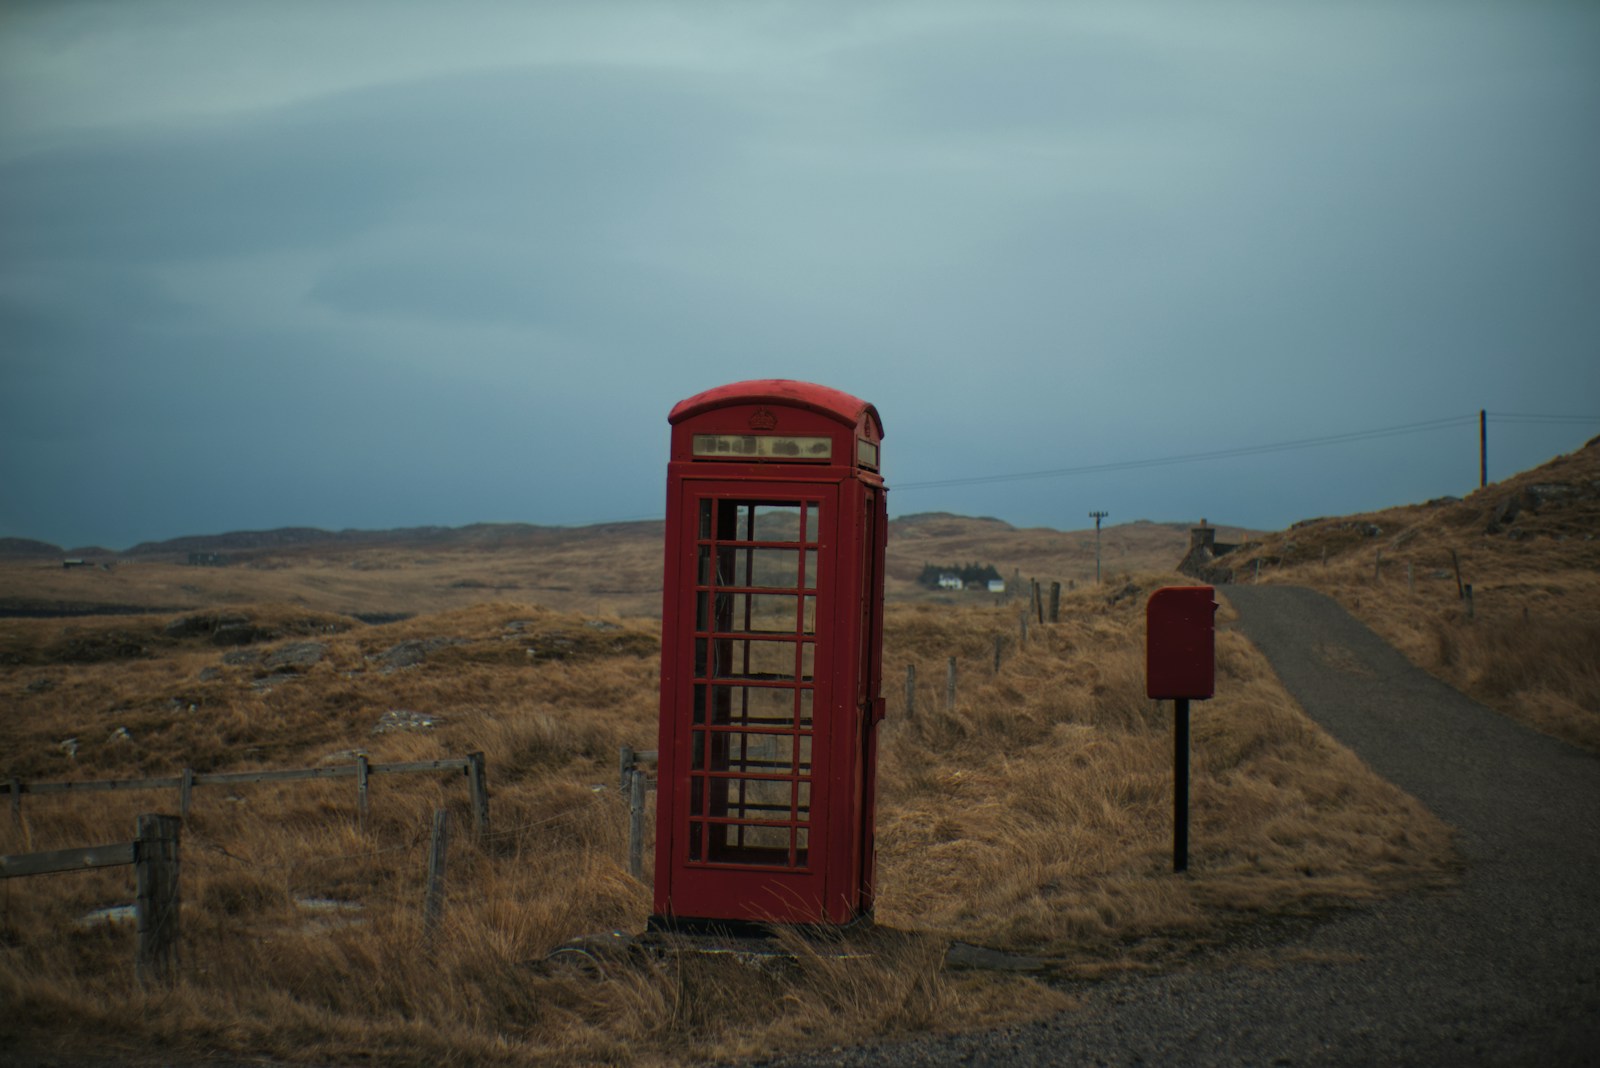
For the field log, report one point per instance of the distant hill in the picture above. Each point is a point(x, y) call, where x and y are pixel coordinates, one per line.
point(243, 543)
point(611, 566)
point(1547, 517)
point(23, 548)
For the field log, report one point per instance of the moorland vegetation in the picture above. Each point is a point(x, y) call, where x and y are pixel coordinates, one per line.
point(1033, 816)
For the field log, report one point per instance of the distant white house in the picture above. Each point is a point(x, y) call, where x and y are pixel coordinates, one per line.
point(948, 581)
point(997, 585)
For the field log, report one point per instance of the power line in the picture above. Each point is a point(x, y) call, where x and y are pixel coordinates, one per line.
point(1426, 426)
point(1196, 457)
point(1523, 417)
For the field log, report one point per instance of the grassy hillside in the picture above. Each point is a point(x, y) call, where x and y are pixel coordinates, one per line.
point(1529, 643)
point(1033, 816)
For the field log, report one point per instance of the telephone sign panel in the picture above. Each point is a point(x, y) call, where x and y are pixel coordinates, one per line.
point(771, 650)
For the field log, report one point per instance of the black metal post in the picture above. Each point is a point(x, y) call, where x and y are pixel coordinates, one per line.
point(1180, 785)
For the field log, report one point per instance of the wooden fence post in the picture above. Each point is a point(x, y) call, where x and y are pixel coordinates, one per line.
point(950, 684)
point(16, 801)
point(433, 901)
point(478, 784)
point(185, 793)
point(911, 691)
point(998, 641)
point(1466, 592)
point(636, 824)
point(363, 774)
point(1055, 602)
point(1377, 566)
point(625, 759)
point(156, 906)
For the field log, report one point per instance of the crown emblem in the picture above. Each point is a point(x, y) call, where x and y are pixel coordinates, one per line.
point(763, 420)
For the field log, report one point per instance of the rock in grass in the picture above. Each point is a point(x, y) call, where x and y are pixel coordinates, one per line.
point(404, 719)
point(295, 655)
point(412, 652)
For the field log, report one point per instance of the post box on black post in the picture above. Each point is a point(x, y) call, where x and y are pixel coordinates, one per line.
point(1180, 666)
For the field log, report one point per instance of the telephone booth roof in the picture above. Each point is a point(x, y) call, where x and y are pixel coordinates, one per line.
point(833, 403)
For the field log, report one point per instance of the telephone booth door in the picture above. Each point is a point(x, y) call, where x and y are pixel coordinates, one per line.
point(754, 672)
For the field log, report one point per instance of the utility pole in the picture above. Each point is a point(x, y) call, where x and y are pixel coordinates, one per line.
point(1483, 448)
point(1097, 516)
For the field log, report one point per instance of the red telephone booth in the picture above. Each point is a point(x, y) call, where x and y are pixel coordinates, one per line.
point(771, 643)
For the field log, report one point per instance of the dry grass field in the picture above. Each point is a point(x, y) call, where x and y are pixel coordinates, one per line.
point(1032, 816)
point(611, 568)
point(1529, 643)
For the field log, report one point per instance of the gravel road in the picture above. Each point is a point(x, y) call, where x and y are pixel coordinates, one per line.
point(1503, 970)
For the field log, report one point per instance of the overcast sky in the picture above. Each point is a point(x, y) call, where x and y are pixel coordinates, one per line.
point(375, 264)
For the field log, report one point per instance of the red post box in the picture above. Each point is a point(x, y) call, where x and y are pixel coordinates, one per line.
point(1180, 643)
point(1180, 666)
point(771, 650)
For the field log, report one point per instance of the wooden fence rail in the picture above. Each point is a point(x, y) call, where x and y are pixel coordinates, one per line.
point(154, 855)
point(472, 764)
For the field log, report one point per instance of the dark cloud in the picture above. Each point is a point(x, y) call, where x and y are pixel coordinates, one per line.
point(1036, 237)
point(538, 152)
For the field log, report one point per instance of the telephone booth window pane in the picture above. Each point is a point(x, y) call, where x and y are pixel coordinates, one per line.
point(703, 573)
point(812, 512)
point(767, 660)
point(767, 754)
point(807, 656)
point(705, 519)
point(773, 522)
point(805, 708)
point(747, 843)
point(811, 569)
point(755, 613)
point(753, 705)
point(771, 568)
